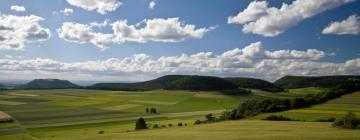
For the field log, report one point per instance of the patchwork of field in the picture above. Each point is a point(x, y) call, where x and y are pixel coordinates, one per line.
point(45, 113)
point(82, 114)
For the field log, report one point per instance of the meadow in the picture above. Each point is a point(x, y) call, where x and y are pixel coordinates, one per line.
point(82, 114)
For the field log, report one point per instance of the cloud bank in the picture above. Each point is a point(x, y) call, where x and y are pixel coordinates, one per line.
point(252, 60)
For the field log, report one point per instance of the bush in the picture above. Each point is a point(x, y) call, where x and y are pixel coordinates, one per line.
point(163, 125)
point(156, 126)
point(197, 122)
point(210, 117)
point(350, 121)
point(180, 124)
point(170, 125)
point(277, 118)
point(101, 132)
point(140, 124)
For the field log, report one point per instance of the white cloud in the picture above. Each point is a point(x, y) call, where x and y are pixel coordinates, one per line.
point(81, 34)
point(18, 8)
point(152, 4)
point(67, 11)
point(260, 19)
point(349, 26)
point(156, 30)
point(16, 31)
point(251, 60)
point(100, 6)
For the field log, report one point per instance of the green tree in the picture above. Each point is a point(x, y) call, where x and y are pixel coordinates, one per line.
point(140, 124)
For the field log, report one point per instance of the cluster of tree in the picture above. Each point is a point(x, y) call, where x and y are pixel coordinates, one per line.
point(7, 120)
point(268, 105)
point(226, 115)
point(238, 91)
point(151, 110)
point(141, 124)
point(253, 83)
point(289, 82)
point(350, 121)
point(257, 106)
point(278, 118)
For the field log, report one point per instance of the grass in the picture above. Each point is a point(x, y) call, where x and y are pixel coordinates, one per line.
point(81, 114)
point(229, 130)
point(333, 108)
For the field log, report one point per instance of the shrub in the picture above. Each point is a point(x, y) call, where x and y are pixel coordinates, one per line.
point(101, 132)
point(163, 125)
point(170, 125)
point(277, 118)
point(155, 126)
point(140, 124)
point(197, 122)
point(180, 124)
point(350, 121)
point(153, 110)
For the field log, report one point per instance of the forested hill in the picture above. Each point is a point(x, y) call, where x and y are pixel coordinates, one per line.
point(48, 84)
point(191, 82)
point(318, 81)
point(172, 82)
point(253, 83)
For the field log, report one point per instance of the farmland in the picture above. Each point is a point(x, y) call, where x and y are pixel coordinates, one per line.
point(81, 114)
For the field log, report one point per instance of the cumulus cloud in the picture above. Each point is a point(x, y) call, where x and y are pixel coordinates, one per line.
point(349, 26)
point(82, 33)
point(152, 4)
point(100, 6)
point(156, 30)
point(18, 8)
point(67, 11)
point(15, 31)
point(252, 60)
point(259, 18)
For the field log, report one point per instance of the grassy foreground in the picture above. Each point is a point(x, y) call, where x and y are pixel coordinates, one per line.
point(235, 130)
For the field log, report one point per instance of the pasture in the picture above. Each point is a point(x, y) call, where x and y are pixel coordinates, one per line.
point(82, 114)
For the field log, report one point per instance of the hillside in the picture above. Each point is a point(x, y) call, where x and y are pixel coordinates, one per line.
point(254, 84)
point(290, 82)
point(48, 84)
point(172, 82)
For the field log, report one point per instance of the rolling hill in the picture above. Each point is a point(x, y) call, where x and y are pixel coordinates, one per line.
point(48, 84)
point(253, 83)
point(290, 82)
point(171, 82)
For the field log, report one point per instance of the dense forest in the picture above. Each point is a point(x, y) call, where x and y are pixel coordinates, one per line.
point(289, 82)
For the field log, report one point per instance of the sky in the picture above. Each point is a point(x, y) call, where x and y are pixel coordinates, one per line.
point(136, 40)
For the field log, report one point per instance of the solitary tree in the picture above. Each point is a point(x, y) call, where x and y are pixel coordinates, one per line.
point(140, 124)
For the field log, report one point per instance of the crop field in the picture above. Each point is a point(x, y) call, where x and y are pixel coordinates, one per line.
point(77, 113)
point(45, 113)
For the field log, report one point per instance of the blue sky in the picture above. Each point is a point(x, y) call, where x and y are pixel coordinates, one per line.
point(338, 45)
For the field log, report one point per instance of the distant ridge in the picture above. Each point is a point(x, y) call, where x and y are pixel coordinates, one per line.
point(48, 84)
point(315, 81)
point(191, 82)
point(172, 82)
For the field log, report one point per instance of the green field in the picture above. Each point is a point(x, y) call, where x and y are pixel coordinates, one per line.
point(75, 114)
point(333, 108)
